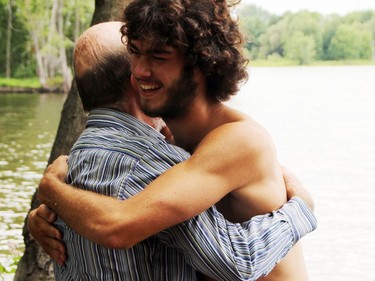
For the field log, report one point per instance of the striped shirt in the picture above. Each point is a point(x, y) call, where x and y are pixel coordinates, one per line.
point(118, 156)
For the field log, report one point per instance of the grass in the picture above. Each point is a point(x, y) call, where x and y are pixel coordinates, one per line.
point(276, 62)
point(20, 82)
point(285, 62)
point(344, 62)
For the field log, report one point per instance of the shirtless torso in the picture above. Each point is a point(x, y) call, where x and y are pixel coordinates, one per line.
point(263, 190)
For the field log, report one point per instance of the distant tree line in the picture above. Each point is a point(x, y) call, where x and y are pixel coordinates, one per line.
point(37, 36)
point(307, 36)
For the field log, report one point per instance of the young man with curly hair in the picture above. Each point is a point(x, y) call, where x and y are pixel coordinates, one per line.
point(186, 60)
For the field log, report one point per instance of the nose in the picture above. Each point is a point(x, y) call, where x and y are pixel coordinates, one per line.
point(141, 66)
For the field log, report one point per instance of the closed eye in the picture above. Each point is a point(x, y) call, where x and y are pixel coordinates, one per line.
point(159, 58)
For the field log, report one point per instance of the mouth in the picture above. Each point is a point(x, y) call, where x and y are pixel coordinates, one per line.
point(144, 86)
point(149, 87)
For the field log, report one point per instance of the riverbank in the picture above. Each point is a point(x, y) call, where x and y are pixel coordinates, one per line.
point(28, 90)
point(32, 85)
point(285, 62)
point(28, 85)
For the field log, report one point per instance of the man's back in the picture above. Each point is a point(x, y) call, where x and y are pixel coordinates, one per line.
point(107, 159)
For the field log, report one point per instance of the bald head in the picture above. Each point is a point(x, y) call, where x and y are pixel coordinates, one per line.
point(96, 43)
point(101, 65)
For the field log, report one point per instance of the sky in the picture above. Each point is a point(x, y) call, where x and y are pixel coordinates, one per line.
point(340, 7)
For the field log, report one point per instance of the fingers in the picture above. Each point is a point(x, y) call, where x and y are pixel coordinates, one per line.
point(46, 234)
point(58, 168)
point(55, 249)
point(62, 158)
point(46, 213)
point(289, 177)
point(295, 188)
point(291, 182)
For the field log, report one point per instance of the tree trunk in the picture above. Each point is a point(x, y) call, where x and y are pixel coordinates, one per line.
point(67, 76)
point(8, 56)
point(42, 74)
point(77, 21)
point(35, 265)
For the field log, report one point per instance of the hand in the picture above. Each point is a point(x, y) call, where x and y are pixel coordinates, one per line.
point(59, 168)
point(56, 172)
point(49, 237)
point(295, 188)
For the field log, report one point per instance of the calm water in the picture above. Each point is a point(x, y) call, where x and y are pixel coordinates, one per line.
point(323, 123)
point(28, 124)
point(322, 120)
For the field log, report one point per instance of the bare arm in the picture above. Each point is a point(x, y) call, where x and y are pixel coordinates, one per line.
point(260, 230)
point(102, 219)
point(278, 229)
point(179, 194)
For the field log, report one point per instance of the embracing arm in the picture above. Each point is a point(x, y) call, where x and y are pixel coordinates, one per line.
point(246, 251)
point(122, 223)
point(180, 193)
point(224, 248)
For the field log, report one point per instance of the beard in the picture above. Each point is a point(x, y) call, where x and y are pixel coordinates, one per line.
point(180, 96)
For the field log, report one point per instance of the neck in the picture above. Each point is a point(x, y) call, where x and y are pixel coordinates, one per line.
point(190, 129)
point(131, 106)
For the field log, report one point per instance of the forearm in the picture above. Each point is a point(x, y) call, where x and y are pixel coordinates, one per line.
point(106, 220)
point(247, 251)
point(85, 212)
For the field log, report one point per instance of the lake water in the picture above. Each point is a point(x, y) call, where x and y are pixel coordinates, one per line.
point(322, 120)
point(28, 124)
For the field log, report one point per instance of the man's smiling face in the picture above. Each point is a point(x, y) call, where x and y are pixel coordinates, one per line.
point(166, 87)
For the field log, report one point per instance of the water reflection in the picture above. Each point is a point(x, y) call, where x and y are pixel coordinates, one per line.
point(28, 123)
point(322, 120)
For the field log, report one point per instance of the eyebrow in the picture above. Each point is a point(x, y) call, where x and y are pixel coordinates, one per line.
point(151, 51)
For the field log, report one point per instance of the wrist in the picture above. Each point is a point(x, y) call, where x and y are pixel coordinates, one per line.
point(46, 189)
point(300, 216)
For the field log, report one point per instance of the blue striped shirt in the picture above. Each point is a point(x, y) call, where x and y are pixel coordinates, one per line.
point(117, 155)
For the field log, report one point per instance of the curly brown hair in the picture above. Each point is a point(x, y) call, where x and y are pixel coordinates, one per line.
point(202, 30)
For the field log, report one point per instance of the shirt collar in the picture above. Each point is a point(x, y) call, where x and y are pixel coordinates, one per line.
point(106, 117)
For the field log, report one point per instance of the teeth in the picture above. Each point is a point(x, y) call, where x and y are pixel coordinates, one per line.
point(148, 87)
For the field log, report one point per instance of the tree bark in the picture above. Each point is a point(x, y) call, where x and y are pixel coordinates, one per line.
point(42, 74)
point(35, 265)
point(67, 76)
point(8, 56)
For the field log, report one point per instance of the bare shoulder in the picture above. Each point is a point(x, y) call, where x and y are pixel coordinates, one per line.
point(234, 146)
point(241, 134)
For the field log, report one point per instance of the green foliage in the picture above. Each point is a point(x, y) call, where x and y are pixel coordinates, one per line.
point(301, 48)
point(19, 40)
point(271, 42)
point(308, 25)
point(300, 37)
point(305, 37)
point(350, 42)
point(33, 17)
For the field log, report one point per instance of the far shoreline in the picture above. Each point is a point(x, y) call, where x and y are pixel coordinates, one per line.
point(32, 85)
point(28, 90)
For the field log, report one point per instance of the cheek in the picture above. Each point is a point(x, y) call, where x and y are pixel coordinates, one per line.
point(133, 82)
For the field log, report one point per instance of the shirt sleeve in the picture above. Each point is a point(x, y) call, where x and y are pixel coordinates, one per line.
point(246, 251)
point(221, 249)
